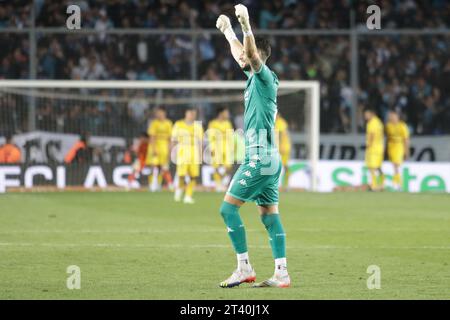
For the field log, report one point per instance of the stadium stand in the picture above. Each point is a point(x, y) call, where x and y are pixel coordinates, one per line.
point(419, 88)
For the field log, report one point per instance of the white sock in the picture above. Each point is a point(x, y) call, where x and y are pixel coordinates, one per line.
point(243, 261)
point(281, 266)
point(155, 179)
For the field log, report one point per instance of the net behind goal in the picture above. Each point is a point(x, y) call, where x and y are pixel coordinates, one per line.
point(47, 118)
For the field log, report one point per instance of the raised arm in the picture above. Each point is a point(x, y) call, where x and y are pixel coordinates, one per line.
point(251, 52)
point(224, 25)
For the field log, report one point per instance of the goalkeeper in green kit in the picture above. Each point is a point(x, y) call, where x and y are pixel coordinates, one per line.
point(257, 178)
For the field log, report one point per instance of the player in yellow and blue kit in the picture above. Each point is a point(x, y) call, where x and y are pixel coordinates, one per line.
point(187, 136)
point(257, 178)
point(159, 131)
point(374, 149)
point(284, 146)
point(221, 143)
point(397, 134)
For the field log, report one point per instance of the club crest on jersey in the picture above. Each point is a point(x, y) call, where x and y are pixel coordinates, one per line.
point(242, 182)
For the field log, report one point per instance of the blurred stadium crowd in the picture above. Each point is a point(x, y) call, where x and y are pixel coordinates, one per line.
point(270, 14)
point(407, 72)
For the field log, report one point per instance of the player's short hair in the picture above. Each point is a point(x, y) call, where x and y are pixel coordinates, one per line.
point(393, 110)
point(190, 108)
point(161, 108)
point(369, 109)
point(263, 45)
point(220, 110)
point(143, 134)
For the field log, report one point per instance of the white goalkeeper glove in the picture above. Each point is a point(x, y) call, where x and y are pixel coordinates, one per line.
point(242, 15)
point(224, 25)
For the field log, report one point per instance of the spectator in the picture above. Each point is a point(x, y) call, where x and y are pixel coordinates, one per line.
point(149, 74)
point(103, 23)
point(138, 106)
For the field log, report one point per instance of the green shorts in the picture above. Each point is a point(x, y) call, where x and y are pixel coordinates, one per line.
point(257, 180)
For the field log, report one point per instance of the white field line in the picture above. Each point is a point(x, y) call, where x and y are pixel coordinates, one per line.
point(205, 230)
point(137, 231)
point(183, 246)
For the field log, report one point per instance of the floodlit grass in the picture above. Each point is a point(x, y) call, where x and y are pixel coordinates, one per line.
point(145, 246)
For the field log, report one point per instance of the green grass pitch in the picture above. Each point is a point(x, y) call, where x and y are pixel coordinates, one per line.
point(144, 246)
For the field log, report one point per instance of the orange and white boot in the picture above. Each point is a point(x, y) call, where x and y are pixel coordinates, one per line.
point(277, 281)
